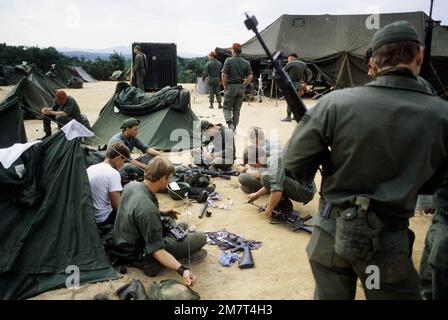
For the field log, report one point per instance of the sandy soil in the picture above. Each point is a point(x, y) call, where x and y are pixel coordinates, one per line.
point(281, 266)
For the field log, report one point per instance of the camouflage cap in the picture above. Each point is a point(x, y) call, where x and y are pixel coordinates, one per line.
point(395, 32)
point(128, 123)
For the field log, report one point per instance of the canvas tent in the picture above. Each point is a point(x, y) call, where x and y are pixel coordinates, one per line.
point(13, 129)
point(83, 74)
point(334, 45)
point(48, 221)
point(33, 94)
point(162, 114)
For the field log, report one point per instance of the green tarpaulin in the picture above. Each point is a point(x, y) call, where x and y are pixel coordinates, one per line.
point(11, 118)
point(48, 221)
point(164, 117)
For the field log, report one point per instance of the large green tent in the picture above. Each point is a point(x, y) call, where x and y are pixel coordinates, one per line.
point(48, 224)
point(13, 129)
point(334, 45)
point(164, 116)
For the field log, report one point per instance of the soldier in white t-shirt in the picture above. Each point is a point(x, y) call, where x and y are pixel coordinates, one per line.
point(105, 183)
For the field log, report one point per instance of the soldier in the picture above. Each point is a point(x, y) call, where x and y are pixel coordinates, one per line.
point(434, 263)
point(63, 110)
point(212, 72)
point(218, 150)
point(236, 74)
point(139, 239)
point(139, 68)
point(295, 69)
point(377, 158)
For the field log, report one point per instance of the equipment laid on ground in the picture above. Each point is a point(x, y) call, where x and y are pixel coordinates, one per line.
point(293, 219)
point(246, 260)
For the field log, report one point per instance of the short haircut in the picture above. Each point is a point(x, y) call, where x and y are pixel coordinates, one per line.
point(237, 50)
point(294, 55)
point(118, 149)
point(138, 48)
point(252, 153)
point(368, 55)
point(393, 54)
point(158, 168)
point(256, 133)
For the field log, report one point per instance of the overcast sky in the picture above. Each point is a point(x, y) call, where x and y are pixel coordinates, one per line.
point(196, 26)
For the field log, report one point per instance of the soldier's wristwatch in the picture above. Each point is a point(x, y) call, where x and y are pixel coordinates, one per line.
point(181, 270)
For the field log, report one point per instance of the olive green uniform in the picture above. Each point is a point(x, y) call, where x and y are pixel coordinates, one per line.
point(237, 70)
point(223, 143)
point(295, 70)
point(72, 110)
point(138, 231)
point(213, 72)
point(381, 151)
point(434, 263)
point(140, 70)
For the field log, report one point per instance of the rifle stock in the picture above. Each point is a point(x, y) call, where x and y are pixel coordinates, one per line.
point(246, 260)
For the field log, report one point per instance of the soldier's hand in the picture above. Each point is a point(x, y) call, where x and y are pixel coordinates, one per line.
point(268, 212)
point(189, 278)
point(252, 197)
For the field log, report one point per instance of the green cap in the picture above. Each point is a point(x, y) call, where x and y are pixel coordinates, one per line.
point(128, 123)
point(205, 125)
point(395, 32)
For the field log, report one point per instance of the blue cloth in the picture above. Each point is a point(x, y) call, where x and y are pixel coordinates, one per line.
point(228, 258)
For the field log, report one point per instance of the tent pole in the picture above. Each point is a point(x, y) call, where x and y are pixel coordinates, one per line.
point(272, 88)
point(340, 72)
point(349, 72)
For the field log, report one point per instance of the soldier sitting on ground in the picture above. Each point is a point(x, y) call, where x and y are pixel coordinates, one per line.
point(139, 239)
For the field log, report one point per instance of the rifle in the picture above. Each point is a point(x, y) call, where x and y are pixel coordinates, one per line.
point(204, 208)
point(279, 74)
point(246, 260)
point(294, 223)
point(224, 175)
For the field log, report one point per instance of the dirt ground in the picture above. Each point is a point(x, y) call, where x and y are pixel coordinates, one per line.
point(281, 266)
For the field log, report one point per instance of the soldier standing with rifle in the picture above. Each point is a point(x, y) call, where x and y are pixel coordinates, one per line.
point(295, 69)
point(236, 74)
point(381, 159)
point(212, 72)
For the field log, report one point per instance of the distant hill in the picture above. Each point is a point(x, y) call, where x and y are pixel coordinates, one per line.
point(92, 54)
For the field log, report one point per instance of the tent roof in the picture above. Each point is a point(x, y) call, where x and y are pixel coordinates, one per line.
point(13, 128)
point(316, 36)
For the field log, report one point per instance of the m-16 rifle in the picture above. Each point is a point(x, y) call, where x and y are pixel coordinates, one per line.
point(224, 175)
point(279, 74)
point(294, 223)
point(246, 260)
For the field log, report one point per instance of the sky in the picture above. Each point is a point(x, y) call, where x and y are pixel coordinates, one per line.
point(195, 26)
